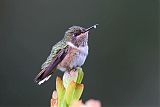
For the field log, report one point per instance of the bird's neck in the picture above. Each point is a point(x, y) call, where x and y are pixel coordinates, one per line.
point(80, 43)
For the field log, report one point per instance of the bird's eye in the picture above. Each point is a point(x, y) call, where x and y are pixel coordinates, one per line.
point(77, 33)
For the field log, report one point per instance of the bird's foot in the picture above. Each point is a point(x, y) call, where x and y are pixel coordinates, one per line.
point(72, 69)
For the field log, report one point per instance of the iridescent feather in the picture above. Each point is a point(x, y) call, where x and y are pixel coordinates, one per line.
point(60, 45)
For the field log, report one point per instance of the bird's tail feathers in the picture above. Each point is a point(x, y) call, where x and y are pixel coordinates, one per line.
point(43, 76)
point(45, 79)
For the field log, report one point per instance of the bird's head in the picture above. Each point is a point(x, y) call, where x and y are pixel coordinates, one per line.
point(77, 35)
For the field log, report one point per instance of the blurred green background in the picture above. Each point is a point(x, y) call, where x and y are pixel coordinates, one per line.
point(121, 69)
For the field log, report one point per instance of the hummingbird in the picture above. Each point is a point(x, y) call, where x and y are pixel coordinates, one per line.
point(66, 55)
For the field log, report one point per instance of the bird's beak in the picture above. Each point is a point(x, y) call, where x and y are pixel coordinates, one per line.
point(94, 26)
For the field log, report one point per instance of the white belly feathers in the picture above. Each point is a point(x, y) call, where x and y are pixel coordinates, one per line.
point(80, 57)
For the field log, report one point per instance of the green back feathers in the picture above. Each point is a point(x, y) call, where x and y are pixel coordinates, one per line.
point(60, 45)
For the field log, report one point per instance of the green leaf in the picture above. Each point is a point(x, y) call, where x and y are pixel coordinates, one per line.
point(60, 91)
point(78, 91)
point(70, 92)
point(80, 75)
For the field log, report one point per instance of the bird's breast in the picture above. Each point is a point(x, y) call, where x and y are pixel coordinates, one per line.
point(80, 56)
point(75, 57)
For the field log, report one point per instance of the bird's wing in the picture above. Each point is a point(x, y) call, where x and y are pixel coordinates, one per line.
point(56, 56)
point(56, 48)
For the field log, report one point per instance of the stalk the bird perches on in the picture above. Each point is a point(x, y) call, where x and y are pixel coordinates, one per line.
point(67, 54)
